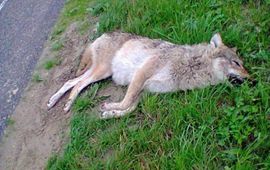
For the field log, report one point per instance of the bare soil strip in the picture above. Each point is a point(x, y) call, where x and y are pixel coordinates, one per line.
point(37, 131)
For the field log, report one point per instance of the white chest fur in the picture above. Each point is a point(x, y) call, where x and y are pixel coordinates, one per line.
point(131, 57)
point(126, 61)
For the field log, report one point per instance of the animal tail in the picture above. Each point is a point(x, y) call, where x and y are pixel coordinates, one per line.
point(86, 61)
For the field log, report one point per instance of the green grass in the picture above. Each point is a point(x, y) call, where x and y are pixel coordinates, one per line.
point(219, 127)
point(36, 78)
point(56, 46)
point(49, 64)
point(10, 122)
point(74, 11)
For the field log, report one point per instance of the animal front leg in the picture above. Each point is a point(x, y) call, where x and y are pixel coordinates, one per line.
point(118, 113)
point(134, 89)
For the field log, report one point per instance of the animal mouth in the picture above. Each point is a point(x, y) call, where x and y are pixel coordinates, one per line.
point(236, 79)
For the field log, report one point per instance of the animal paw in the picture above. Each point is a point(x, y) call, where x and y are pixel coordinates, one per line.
point(112, 114)
point(68, 106)
point(52, 101)
point(107, 114)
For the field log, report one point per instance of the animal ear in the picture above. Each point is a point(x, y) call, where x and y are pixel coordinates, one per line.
point(216, 40)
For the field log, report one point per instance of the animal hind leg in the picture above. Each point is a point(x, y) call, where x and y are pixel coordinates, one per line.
point(98, 73)
point(86, 61)
point(68, 85)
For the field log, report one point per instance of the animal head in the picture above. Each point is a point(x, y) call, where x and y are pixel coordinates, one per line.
point(226, 63)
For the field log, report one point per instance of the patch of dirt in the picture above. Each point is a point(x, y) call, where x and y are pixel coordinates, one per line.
point(115, 92)
point(38, 132)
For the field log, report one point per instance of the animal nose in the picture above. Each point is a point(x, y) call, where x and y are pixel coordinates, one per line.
point(251, 81)
point(244, 73)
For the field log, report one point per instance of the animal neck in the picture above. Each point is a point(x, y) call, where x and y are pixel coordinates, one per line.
point(197, 70)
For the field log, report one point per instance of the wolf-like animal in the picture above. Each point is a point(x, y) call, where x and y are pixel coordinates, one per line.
point(151, 64)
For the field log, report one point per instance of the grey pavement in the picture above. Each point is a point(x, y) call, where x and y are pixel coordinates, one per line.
point(24, 28)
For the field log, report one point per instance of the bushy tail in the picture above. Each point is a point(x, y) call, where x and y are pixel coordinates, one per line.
point(86, 61)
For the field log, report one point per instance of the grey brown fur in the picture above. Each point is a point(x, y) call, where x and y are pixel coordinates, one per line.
point(151, 64)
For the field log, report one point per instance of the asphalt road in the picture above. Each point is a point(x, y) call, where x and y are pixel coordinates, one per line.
point(24, 28)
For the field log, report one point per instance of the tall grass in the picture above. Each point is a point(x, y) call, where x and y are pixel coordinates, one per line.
point(219, 127)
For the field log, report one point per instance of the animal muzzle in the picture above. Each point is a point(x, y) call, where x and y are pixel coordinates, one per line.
point(241, 78)
point(236, 79)
point(238, 76)
point(244, 74)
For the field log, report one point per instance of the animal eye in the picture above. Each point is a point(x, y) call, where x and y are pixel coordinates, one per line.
point(235, 62)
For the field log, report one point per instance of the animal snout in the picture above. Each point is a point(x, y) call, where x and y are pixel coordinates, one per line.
point(236, 79)
point(244, 74)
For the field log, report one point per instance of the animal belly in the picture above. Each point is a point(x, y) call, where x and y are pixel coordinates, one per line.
point(124, 66)
point(123, 72)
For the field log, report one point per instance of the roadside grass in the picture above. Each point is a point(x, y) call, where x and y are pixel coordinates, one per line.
point(56, 46)
point(219, 127)
point(36, 78)
point(10, 122)
point(49, 64)
point(73, 11)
